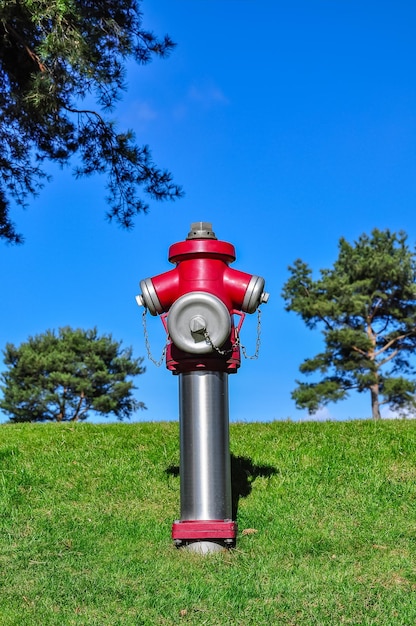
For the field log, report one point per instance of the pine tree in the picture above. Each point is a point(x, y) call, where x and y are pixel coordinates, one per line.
point(62, 70)
point(64, 376)
point(366, 306)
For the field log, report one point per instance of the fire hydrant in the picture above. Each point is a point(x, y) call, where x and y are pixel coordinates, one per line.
point(197, 301)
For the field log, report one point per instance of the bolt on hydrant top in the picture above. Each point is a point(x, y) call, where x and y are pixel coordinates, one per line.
point(201, 230)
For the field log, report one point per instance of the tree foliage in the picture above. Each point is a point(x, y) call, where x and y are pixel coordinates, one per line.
point(366, 307)
point(62, 69)
point(63, 376)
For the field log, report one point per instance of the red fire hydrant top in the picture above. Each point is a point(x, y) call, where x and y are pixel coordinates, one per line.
point(202, 292)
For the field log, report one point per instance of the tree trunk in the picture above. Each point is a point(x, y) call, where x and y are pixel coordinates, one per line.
point(375, 405)
point(75, 417)
point(374, 389)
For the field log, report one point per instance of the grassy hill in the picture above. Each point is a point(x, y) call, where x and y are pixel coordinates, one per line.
point(326, 514)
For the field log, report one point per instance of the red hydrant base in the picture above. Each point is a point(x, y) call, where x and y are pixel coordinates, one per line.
point(204, 529)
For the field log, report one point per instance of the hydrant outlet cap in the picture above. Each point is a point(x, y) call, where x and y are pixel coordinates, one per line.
point(149, 297)
point(254, 294)
point(194, 318)
point(201, 230)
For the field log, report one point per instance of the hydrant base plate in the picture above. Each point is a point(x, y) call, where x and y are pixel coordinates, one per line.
point(204, 529)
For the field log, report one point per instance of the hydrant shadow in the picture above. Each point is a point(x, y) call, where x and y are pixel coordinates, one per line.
point(243, 473)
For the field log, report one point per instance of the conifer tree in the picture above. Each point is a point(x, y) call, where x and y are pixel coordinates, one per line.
point(366, 307)
point(62, 70)
point(64, 376)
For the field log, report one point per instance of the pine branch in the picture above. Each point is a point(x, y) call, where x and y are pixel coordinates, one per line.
point(388, 358)
point(393, 341)
point(32, 55)
point(362, 352)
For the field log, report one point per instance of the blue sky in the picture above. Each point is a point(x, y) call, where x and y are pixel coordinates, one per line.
point(289, 125)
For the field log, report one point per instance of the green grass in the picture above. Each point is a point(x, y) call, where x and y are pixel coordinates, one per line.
point(86, 513)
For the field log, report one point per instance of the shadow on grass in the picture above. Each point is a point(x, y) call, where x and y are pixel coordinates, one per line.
point(243, 473)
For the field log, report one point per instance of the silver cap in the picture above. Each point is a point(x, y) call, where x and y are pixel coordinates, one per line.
point(201, 230)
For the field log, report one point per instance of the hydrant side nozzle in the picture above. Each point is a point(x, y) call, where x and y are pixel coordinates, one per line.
point(254, 295)
point(149, 297)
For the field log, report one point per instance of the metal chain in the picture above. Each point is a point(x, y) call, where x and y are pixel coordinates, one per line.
point(238, 343)
point(217, 349)
point(147, 342)
point(258, 340)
